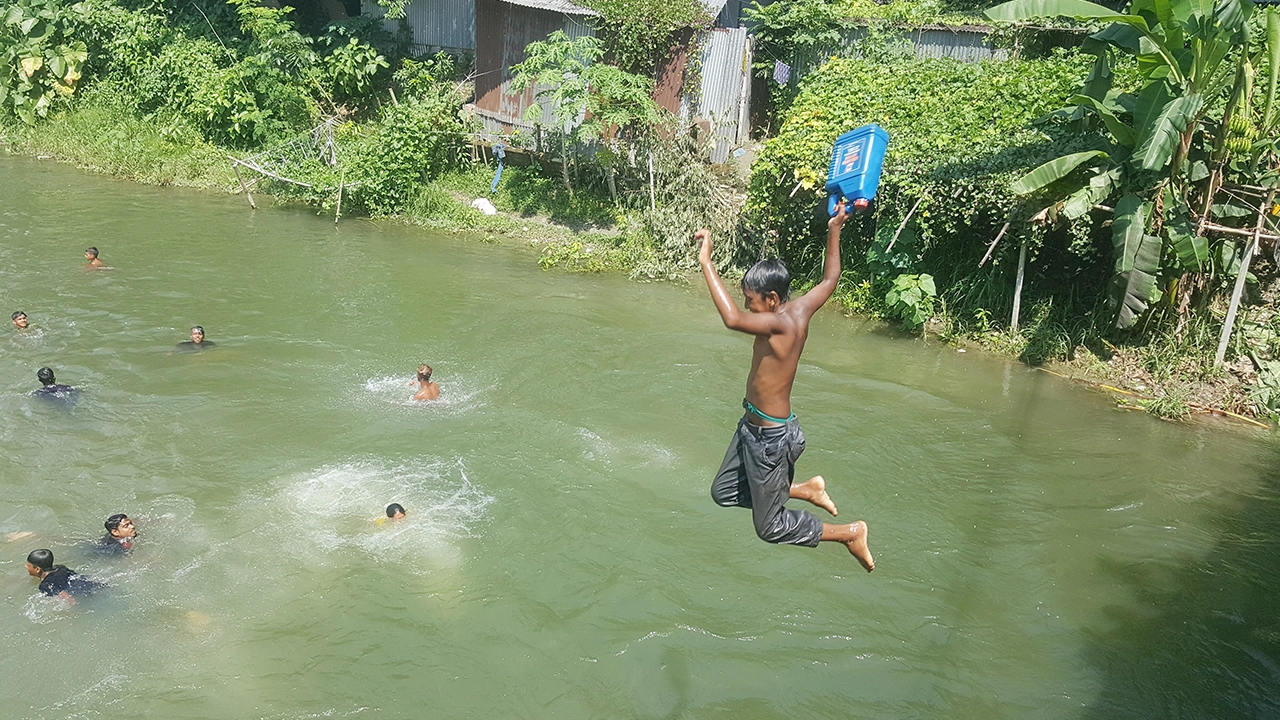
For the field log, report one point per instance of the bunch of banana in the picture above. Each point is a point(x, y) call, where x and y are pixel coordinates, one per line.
point(1240, 134)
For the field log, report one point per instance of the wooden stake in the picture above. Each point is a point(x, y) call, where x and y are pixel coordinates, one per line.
point(1236, 293)
point(235, 165)
point(1017, 286)
point(342, 178)
point(992, 246)
point(653, 203)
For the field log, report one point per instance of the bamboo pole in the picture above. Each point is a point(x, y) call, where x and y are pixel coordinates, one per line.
point(1241, 278)
point(902, 225)
point(342, 179)
point(1017, 286)
point(992, 246)
point(235, 165)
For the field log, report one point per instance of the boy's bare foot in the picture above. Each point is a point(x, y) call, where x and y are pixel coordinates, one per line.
point(814, 490)
point(853, 537)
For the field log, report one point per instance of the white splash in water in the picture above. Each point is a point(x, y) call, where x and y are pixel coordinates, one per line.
point(343, 506)
point(457, 396)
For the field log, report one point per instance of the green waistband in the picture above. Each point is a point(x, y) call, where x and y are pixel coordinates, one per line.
point(756, 411)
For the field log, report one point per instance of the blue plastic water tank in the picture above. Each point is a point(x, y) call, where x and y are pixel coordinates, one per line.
point(855, 167)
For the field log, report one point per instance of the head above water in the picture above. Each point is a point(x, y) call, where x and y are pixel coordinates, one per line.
point(91, 253)
point(45, 375)
point(197, 334)
point(41, 560)
point(20, 319)
point(120, 526)
point(768, 276)
point(424, 373)
point(395, 511)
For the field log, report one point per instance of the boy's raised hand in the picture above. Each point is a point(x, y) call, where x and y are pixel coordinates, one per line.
point(842, 214)
point(703, 238)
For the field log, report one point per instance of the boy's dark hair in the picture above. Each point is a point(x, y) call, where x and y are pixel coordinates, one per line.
point(16, 315)
point(197, 327)
point(394, 508)
point(113, 523)
point(424, 373)
point(768, 276)
point(42, 559)
point(45, 375)
point(92, 251)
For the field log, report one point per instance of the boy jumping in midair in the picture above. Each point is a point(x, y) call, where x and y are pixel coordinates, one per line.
point(758, 468)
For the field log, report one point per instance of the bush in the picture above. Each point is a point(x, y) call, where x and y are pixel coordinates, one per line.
point(412, 143)
point(40, 60)
point(959, 134)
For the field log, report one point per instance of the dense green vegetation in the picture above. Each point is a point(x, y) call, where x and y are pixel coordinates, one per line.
point(961, 133)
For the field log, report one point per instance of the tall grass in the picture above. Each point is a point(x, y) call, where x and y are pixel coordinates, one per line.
point(101, 133)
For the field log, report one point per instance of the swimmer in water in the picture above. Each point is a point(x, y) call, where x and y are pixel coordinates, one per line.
point(58, 580)
point(92, 256)
point(427, 390)
point(197, 343)
point(20, 320)
point(121, 534)
point(759, 466)
point(51, 387)
point(395, 511)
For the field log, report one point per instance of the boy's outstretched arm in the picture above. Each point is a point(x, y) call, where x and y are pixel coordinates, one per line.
point(819, 294)
point(733, 316)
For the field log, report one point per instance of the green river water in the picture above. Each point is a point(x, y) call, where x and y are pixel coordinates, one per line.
point(1039, 554)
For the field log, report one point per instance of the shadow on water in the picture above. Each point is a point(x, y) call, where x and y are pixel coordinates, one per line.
point(1202, 639)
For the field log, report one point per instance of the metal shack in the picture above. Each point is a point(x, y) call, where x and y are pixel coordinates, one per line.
point(503, 29)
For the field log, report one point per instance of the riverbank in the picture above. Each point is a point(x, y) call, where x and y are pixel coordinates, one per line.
point(587, 234)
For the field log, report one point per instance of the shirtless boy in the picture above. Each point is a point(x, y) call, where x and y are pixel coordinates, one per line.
point(759, 467)
point(427, 390)
point(92, 256)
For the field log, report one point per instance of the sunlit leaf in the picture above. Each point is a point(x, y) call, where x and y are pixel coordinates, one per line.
point(1016, 10)
point(1162, 136)
point(1053, 171)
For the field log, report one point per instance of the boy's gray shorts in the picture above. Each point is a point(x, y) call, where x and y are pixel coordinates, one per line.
point(757, 472)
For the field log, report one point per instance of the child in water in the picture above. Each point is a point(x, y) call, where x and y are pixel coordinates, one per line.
point(92, 256)
point(759, 467)
point(395, 511)
point(427, 390)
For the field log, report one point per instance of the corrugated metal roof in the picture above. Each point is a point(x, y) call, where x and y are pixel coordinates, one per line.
point(714, 6)
point(447, 24)
point(560, 6)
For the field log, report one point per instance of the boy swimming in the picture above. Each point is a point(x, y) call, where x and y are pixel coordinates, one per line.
point(395, 511)
point(427, 390)
point(58, 580)
point(759, 466)
point(92, 256)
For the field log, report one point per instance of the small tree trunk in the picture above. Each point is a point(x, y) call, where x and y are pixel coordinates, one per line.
point(1017, 286)
point(564, 164)
point(1236, 293)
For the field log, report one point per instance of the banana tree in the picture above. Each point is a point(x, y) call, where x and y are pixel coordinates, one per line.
point(1157, 150)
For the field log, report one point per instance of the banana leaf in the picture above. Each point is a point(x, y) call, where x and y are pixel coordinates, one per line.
point(1121, 132)
point(1053, 171)
point(1134, 291)
point(1127, 231)
point(1161, 137)
point(1016, 10)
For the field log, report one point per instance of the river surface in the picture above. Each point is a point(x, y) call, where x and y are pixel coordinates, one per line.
point(1039, 553)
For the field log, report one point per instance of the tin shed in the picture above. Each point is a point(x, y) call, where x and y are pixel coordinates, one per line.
point(504, 28)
